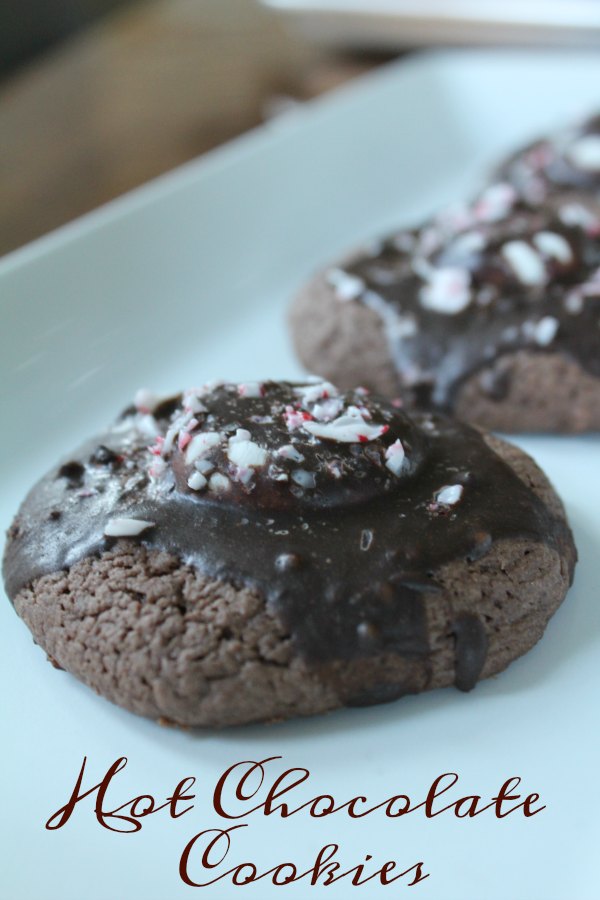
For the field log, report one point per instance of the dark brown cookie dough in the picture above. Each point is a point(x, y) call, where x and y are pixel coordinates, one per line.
point(491, 310)
point(256, 552)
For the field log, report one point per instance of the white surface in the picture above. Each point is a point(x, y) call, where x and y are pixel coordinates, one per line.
point(404, 23)
point(188, 279)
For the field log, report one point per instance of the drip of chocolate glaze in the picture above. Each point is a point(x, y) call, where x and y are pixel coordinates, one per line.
point(347, 562)
point(435, 350)
point(470, 650)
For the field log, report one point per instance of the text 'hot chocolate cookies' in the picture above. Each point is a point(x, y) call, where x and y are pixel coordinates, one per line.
point(252, 552)
point(489, 311)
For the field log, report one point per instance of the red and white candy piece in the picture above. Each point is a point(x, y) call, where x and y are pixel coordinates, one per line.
point(347, 429)
point(448, 290)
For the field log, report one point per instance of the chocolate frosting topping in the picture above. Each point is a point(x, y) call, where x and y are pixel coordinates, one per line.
point(339, 508)
point(518, 268)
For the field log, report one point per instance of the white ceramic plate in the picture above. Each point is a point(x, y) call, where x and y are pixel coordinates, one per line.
point(394, 24)
point(188, 279)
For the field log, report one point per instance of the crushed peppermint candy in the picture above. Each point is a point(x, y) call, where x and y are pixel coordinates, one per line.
point(346, 429)
point(146, 425)
point(145, 401)
point(495, 203)
point(322, 390)
point(580, 216)
point(124, 527)
point(244, 452)
point(395, 456)
point(304, 479)
point(201, 444)
point(250, 389)
point(448, 291)
point(197, 481)
point(219, 483)
point(328, 409)
point(545, 330)
point(525, 262)
point(227, 445)
point(574, 302)
point(288, 451)
point(295, 418)
point(585, 153)
point(346, 287)
point(449, 495)
point(554, 246)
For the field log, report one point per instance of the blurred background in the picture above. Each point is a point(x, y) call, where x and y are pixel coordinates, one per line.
point(98, 96)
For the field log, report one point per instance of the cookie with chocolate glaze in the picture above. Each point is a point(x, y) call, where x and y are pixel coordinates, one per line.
point(255, 552)
point(490, 311)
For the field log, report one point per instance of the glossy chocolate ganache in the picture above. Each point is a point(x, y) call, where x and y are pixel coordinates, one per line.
point(516, 269)
point(338, 508)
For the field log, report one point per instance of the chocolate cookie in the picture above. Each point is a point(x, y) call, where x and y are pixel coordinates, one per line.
point(254, 552)
point(490, 311)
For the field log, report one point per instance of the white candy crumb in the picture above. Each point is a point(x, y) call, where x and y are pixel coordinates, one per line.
point(243, 474)
point(204, 465)
point(145, 401)
point(449, 495)
point(201, 444)
point(197, 481)
point(240, 435)
point(346, 429)
point(169, 441)
point(288, 451)
point(577, 214)
point(495, 202)
point(585, 153)
point(328, 409)
point(192, 403)
point(545, 330)
point(304, 479)
point(322, 390)
point(245, 453)
point(146, 425)
point(219, 483)
point(250, 389)
point(468, 243)
point(347, 287)
point(573, 302)
point(525, 262)
point(126, 527)
point(395, 457)
point(553, 245)
point(448, 291)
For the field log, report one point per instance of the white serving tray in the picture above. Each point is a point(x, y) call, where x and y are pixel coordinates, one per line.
point(397, 24)
point(188, 279)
